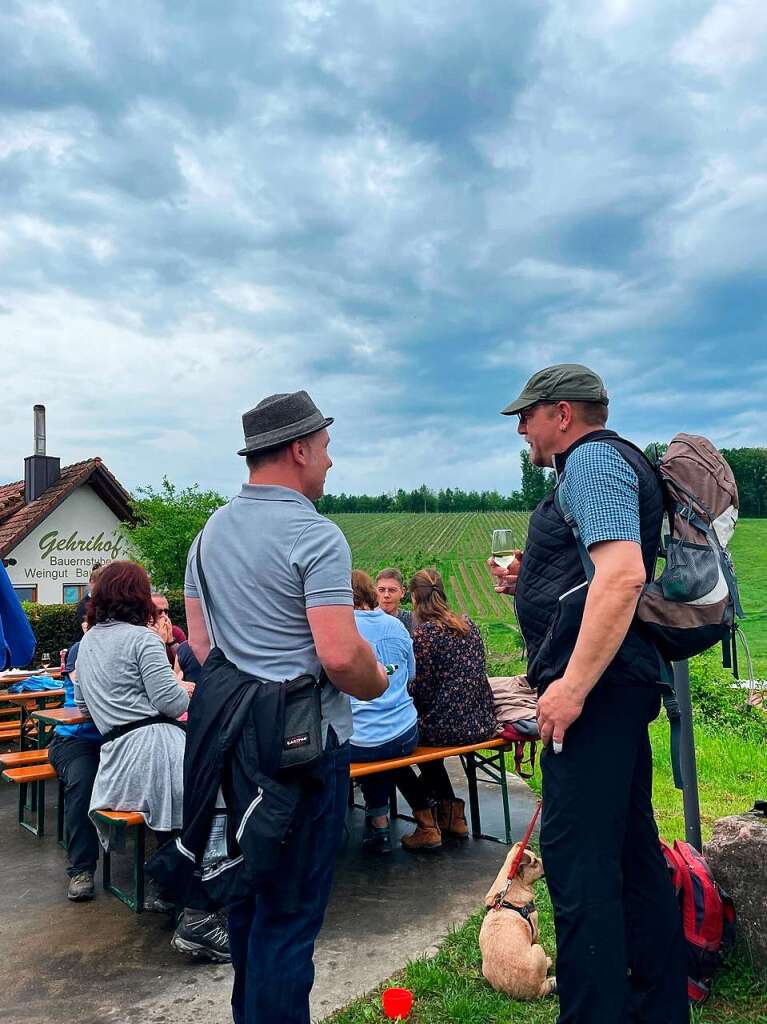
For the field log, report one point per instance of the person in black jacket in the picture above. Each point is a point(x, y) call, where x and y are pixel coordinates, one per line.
point(620, 948)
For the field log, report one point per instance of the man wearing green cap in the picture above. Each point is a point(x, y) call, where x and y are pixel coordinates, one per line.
point(591, 547)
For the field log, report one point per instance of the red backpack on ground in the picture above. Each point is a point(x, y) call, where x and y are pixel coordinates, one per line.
point(708, 916)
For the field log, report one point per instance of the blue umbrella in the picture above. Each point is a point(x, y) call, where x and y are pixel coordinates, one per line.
point(17, 641)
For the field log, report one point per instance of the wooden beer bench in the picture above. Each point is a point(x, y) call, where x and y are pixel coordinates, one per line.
point(35, 775)
point(30, 770)
point(121, 824)
point(28, 703)
point(489, 757)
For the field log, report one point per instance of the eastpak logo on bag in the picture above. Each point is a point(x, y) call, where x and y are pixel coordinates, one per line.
point(301, 740)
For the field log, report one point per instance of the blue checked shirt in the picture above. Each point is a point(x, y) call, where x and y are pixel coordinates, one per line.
point(601, 491)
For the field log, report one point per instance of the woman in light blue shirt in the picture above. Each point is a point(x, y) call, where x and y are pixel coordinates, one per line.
point(387, 726)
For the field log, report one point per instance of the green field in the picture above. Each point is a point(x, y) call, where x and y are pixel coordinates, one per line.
point(458, 544)
point(731, 760)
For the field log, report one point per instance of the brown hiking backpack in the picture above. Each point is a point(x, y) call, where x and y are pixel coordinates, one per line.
point(692, 605)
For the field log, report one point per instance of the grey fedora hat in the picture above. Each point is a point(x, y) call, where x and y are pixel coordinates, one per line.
point(280, 419)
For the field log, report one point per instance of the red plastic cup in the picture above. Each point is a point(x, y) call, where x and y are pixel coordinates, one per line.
point(397, 1003)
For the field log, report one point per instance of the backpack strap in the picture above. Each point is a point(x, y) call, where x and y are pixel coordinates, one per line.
point(671, 705)
point(560, 503)
point(207, 600)
point(665, 678)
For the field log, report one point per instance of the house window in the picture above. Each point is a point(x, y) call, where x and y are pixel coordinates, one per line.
point(26, 593)
point(74, 592)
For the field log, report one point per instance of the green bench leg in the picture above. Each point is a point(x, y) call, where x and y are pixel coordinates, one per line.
point(505, 795)
point(493, 765)
point(36, 806)
point(470, 767)
point(60, 817)
point(134, 898)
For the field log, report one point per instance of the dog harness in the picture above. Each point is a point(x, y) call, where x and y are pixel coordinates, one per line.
point(524, 912)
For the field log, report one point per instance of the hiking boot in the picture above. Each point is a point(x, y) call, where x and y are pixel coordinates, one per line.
point(374, 839)
point(81, 887)
point(451, 818)
point(427, 835)
point(203, 936)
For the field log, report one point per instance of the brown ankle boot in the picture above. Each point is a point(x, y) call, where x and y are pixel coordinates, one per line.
point(427, 835)
point(451, 818)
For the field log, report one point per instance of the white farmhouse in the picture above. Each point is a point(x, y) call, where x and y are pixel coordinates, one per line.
point(57, 522)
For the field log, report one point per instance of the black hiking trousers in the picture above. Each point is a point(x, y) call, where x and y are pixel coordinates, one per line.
point(621, 955)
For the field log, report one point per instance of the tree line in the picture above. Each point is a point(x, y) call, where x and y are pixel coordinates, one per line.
point(167, 520)
point(749, 466)
point(536, 484)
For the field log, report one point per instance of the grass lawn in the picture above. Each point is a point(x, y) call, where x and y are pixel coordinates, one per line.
point(449, 987)
point(749, 552)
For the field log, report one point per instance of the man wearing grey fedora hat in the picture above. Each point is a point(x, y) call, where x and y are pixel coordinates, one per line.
point(591, 547)
point(278, 578)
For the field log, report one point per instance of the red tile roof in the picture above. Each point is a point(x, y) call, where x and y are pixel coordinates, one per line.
point(18, 519)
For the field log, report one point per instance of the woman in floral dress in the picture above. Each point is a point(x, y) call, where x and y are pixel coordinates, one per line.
point(453, 700)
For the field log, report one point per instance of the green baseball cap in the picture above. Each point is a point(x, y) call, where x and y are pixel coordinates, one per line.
point(565, 382)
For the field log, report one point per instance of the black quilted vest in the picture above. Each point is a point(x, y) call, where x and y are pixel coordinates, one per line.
point(551, 590)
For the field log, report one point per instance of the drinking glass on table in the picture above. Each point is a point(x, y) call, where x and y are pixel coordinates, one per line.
point(502, 549)
point(45, 660)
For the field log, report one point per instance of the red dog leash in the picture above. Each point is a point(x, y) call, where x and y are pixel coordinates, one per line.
point(518, 857)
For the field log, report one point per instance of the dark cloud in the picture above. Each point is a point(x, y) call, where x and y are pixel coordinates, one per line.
point(408, 208)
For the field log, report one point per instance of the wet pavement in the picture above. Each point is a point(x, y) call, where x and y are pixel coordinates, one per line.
point(97, 963)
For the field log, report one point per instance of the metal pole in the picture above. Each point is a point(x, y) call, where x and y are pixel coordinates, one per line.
point(687, 755)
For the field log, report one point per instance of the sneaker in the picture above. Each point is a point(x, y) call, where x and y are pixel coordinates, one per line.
point(155, 900)
point(155, 904)
point(202, 936)
point(376, 840)
point(81, 887)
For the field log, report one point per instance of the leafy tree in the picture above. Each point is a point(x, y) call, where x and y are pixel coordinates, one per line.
point(536, 482)
point(750, 468)
point(655, 451)
point(167, 521)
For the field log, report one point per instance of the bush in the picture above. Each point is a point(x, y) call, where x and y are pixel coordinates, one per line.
point(717, 702)
point(176, 608)
point(55, 627)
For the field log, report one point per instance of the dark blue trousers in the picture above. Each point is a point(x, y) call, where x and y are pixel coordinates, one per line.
point(76, 762)
point(376, 788)
point(621, 955)
point(272, 938)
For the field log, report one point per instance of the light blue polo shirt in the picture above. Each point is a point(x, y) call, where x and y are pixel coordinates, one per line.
point(393, 713)
point(268, 555)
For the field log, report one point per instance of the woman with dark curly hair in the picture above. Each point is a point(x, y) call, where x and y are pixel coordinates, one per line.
point(123, 680)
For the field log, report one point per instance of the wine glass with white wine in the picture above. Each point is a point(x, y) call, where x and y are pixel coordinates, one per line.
point(502, 549)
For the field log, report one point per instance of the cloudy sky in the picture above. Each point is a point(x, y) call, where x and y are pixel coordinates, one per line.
point(405, 208)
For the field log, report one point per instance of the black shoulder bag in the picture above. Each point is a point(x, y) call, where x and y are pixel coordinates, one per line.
point(302, 735)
